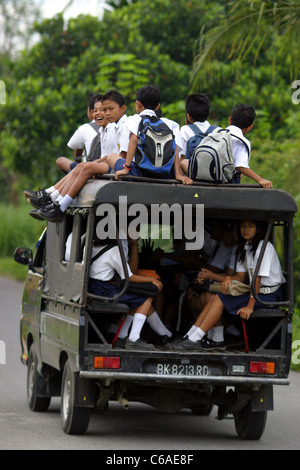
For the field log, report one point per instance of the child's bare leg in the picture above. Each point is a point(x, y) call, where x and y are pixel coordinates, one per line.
point(111, 159)
point(88, 170)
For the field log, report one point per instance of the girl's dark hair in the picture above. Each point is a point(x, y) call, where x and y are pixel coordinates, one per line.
point(261, 230)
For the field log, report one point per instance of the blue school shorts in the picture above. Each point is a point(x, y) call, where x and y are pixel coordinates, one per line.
point(135, 171)
point(106, 289)
point(119, 165)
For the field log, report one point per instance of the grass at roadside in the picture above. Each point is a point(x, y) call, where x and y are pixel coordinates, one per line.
point(17, 228)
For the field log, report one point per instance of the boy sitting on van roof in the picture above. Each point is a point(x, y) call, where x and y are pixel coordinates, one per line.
point(197, 108)
point(147, 103)
point(111, 109)
point(241, 122)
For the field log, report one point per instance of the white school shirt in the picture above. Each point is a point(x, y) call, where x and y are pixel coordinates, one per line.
point(122, 134)
point(186, 132)
point(124, 242)
point(240, 155)
point(108, 139)
point(134, 122)
point(270, 269)
point(105, 266)
point(221, 259)
point(83, 138)
point(219, 256)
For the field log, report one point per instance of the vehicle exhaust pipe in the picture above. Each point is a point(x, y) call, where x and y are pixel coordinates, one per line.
point(123, 402)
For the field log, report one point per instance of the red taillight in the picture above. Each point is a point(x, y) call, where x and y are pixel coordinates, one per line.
point(262, 367)
point(102, 362)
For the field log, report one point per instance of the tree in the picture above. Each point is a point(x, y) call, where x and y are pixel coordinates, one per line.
point(249, 25)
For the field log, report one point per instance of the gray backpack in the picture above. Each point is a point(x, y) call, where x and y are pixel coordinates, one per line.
point(212, 160)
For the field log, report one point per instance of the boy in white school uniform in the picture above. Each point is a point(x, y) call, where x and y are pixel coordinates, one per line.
point(241, 122)
point(82, 138)
point(66, 190)
point(197, 108)
point(147, 103)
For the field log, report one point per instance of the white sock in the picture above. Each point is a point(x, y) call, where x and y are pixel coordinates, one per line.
point(218, 333)
point(65, 202)
point(210, 333)
point(137, 325)
point(55, 195)
point(191, 331)
point(125, 327)
point(157, 325)
point(197, 335)
point(50, 190)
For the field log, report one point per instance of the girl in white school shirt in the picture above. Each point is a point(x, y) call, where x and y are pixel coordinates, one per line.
point(268, 286)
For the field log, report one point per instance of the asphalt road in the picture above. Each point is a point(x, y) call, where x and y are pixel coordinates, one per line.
point(139, 428)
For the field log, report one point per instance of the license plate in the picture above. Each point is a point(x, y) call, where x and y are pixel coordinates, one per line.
point(183, 369)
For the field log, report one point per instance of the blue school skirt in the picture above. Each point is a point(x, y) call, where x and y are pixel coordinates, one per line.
point(106, 289)
point(233, 303)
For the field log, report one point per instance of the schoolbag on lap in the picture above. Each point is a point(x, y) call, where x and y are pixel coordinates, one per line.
point(156, 147)
point(212, 160)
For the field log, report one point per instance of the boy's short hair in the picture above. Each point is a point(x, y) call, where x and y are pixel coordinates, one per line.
point(149, 96)
point(197, 105)
point(242, 116)
point(114, 95)
point(92, 99)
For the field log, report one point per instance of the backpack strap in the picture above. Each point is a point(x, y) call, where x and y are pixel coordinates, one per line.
point(94, 125)
point(198, 131)
point(102, 251)
point(195, 129)
point(242, 140)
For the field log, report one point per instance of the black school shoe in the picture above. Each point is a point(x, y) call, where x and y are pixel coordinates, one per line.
point(27, 193)
point(139, 344)
point(120, 342)
point(211, 345)
point(185, 344)
point(35, 215)
point(38, 199)
point(51, 212)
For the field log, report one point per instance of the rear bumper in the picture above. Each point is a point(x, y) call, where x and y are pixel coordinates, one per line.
point(157, 379)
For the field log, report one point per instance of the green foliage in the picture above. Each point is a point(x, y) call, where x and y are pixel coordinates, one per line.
point(17, 228)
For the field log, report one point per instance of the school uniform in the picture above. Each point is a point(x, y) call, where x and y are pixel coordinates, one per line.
point(186, 132)
point(102, 272)
point(133, 123)
point(108, 139)
point(122, 134)
point(270, 283)
point(83, 138)
point(240, 151)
